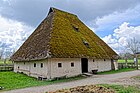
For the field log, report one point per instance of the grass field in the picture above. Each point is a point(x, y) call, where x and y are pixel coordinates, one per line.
point(129, 60)
point(11, 80)
point(117, 71)
point(122, 89)
point(7, 61)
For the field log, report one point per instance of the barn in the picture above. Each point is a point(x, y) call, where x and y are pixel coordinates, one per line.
point(62, 45)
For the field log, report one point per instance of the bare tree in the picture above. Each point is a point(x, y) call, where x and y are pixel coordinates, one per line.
point(133, 45)
point(1, 53)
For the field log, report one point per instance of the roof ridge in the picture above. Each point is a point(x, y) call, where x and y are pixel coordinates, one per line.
point(49, 55)
point(53, 8)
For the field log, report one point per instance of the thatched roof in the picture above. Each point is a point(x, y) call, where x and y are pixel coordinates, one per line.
point(63, 35)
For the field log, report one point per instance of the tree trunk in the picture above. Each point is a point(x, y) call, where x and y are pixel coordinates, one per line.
point(126, 61)
point(5, 61)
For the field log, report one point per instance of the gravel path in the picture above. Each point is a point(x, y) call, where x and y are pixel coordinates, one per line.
point(119, 78)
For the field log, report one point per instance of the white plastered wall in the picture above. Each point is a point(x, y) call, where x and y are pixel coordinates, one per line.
point(104, 65)
point(50, 67)
point(29, 69)
point(66, 69)
point(99, 64)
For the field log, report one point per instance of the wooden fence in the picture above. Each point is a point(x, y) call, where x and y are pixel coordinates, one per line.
point(6, 67)
point(128, 65)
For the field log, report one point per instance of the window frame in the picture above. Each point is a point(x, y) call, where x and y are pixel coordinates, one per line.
point(34, 65)
point(86, 43)
point(59, 65)
point(41, 65)
point(72, 64)
point(76, 28)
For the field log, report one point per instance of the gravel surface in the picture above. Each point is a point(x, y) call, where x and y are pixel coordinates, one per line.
point(123, 78)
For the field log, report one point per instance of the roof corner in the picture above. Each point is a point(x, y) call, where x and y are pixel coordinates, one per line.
point(51, 10)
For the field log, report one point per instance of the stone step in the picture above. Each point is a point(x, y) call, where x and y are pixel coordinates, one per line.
point(88, 74)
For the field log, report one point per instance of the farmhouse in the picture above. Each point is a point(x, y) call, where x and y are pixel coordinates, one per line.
point(62, 45)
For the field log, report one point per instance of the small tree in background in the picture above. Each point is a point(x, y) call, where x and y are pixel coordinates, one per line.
point(133, 45)
point(1, 54)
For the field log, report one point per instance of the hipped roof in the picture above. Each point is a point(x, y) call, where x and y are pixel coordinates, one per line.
point(62, 35)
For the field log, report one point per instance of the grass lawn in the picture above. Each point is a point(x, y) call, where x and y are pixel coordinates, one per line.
point(7, 61)
point(122, 89)
point(11, 80)
point(129, 60)
point(117, 71)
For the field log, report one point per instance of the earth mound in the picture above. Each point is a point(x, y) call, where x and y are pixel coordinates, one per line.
point(86, 89)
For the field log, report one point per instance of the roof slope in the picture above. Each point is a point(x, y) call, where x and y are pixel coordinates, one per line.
point(62, 35)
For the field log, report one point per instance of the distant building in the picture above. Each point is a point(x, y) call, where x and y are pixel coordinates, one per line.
point(62, 45)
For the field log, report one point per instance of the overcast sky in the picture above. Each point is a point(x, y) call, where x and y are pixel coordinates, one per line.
point(115, 21)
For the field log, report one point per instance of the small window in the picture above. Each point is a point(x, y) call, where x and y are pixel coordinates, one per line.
point(86, 43)
point(18, 67)
point(34, 64)
point(93, 60)
point(72, 64)
point(104, 60)
point(76, 28)
point(41, 65)
point(59, 64)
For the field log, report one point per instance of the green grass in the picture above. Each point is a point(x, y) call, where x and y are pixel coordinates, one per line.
point(7, 61)
point(117, 71)
point(129, 61)
point(11, 80)
point(122, 89)
point(1, 61)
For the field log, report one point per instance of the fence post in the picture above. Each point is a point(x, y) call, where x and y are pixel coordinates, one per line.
point(126, 61)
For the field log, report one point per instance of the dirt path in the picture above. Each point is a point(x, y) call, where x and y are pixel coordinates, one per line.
point(119, 78)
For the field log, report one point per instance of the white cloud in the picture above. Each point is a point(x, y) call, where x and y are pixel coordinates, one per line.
point(112, 42)
point(121, 36)
point(122, 41)
point(13, 33)
point(5, 0)
point(8, 1)
point(109, 39)
point(87, 11)
point(114, 19)
point(127, 32)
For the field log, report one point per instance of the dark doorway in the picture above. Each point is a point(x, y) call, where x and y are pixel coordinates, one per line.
point(112, 65)
point(84, 65)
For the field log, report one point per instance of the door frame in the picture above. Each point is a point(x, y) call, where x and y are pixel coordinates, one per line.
point(84, 65)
